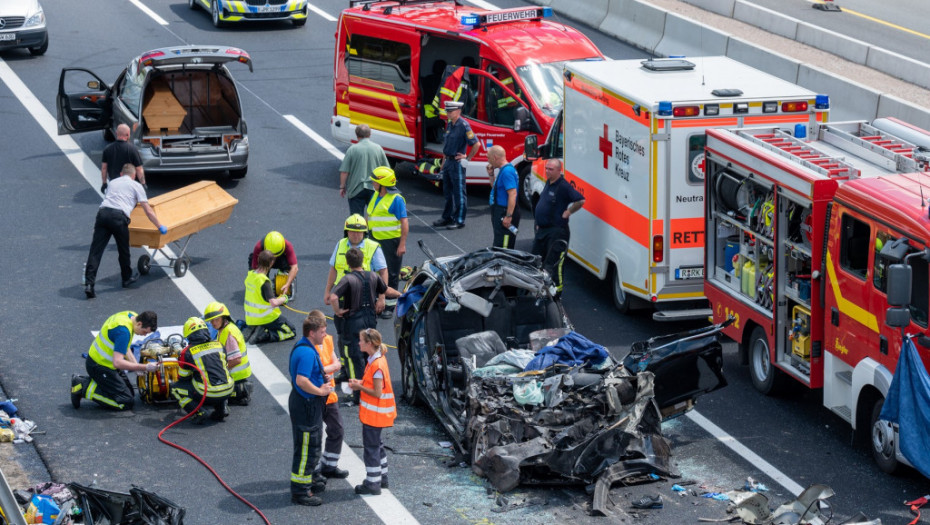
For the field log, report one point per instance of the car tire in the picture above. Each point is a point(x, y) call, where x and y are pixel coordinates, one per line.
point(478, 447)
point(622, 300)
point(409, 386)
point(766, 377)
point(215, 14)
point(523, 188)
point(192, 4)
point(238, 174)
point(881, 435)
point(300, 22)
point(37, 51)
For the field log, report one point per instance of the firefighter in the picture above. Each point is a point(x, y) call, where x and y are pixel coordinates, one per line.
point(453, 86)
point(212, 377)
point(387, 220)
point(109, 358)
point(262, 312)
point(237, 356)
point(285, 262)
point(502, 103)
point(557, 202)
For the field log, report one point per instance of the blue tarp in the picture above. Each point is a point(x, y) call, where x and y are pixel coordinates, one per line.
point(906, 405)
point(408, 299)
point(572, 349)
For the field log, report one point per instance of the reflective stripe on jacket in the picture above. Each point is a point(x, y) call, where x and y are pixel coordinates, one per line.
point(326, 359)
point(372, 411)
point(210, 358)
point(258, 311)
point(101, 350)
point(368, 247)
point(382, 223)
point(243, 370)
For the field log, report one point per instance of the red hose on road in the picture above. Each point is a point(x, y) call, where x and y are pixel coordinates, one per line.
point(195, 456)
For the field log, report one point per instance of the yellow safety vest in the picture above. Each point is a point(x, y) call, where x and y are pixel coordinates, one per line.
point(101, 350)
point(257, 310)
point(382, 223)
point(197, 354)
point(368, 247)
point(243, 370)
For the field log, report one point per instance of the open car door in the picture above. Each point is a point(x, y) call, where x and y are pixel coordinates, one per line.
point(83, 102)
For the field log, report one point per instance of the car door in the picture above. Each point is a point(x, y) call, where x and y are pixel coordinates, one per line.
point(83, 102)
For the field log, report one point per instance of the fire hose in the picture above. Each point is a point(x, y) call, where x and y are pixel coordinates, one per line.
point(206, 465)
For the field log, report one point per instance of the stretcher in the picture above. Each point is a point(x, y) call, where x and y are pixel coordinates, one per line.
point(185, 212)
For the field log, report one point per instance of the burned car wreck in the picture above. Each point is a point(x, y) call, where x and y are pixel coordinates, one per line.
point(528, 401)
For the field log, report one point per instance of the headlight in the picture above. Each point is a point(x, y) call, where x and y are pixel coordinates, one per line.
point(37, 19)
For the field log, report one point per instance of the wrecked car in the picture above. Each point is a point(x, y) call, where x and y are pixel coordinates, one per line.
point(483, 342)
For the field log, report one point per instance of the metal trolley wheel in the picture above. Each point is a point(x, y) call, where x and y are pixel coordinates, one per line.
point(145, 264)
point(181, 265)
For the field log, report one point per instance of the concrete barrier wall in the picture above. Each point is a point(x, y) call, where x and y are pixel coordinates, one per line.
point(636, 23)
point(781, 66)
point(899, 66)
point(848, 100)
point(690, 38)
point(767, 19)
point(721, 7)
point(840, 45)
point(892, 106)
point(590, 12)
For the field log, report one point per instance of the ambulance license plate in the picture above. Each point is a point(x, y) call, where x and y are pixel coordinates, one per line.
point(696, 272)
point(7, 36)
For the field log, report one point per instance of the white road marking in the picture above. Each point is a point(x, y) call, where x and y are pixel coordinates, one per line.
point(320, 12)
point(385, 506)
point(149, 12)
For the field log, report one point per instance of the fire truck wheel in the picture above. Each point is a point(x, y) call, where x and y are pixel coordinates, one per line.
point(622, 300)
point(524, 193)
point(883, 446)
point(765, 376)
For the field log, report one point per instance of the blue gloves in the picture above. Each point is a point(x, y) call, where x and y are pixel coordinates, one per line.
point(163, 229)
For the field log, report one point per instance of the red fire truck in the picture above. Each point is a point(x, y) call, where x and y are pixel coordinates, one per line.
point(389, 64)
point(803, 231)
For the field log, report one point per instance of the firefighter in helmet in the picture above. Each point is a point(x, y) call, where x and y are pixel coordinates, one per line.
point(237, 356)
point(285, 262)
point(209, 380)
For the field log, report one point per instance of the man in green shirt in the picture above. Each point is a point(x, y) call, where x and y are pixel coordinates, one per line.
point(357, 166)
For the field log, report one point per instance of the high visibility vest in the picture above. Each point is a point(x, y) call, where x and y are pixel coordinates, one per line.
point(326, 359)
point(373, 411)
point(101, 350)
point(257, 310)
point(382, 223)
point(452, 86)
point(210, 358)
point(243, 370)
point(368, 247)
point(506, 101)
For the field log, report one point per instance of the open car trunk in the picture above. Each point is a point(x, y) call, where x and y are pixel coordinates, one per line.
point(191, 108)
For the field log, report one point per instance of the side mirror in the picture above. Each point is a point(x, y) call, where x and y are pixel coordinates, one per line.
point(530, 148)
point(895, 250)
point(93, 84)
point(898, 317)
point(899, 285)
point(522, 120)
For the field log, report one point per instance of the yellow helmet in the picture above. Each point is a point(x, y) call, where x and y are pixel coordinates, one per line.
point(384, 176)
point(192, 325)
point(214, 310)
point(274, 243)
point(356, 223)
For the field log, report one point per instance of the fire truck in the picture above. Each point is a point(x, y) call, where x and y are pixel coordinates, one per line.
point(391, 56)
point(633, 137)
point(806, 233)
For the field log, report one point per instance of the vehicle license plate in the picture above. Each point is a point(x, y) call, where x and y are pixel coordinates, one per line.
point(690, 273)
point(268, 9)
point(7, 36)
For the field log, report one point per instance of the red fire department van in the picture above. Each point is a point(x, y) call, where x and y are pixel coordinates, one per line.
point(391, 55)
point(803, 235)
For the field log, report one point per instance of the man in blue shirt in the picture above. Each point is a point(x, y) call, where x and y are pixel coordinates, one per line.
point(305, 404)
point(557, 202)
point(505, 216)
point(459, 138)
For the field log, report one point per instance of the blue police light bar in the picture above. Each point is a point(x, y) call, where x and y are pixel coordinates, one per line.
point(822, 102)
point(665, 109)
point(504, 16)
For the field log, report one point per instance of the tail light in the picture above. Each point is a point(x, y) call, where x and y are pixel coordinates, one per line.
point(686, 111)
point(658, 248)
point(794, 107)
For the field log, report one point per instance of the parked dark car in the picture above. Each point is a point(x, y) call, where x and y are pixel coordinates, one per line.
point(595, 420)
point(181, 104)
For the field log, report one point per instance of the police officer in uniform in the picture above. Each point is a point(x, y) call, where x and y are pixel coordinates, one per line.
point(262, 312)
point(207, 355)
point(459, 147)
point(557, 202)
point(109, 358)
point(237, 355)
point(387, 221)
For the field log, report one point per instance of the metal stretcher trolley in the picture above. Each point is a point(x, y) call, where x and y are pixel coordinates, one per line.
point(184, 212)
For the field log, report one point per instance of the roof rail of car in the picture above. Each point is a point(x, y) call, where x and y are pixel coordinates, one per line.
point(400, 3)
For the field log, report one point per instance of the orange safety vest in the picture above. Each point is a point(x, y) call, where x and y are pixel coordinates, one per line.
point(373, 411)
point(326, 358)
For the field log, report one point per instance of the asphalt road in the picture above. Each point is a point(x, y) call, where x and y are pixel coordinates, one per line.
point(46, 217)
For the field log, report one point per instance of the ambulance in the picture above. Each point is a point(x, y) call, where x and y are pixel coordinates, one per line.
point(391, 55)
point(631, 135)
point(812, 235)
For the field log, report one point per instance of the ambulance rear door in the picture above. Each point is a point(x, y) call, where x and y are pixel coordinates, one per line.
point(382, 67)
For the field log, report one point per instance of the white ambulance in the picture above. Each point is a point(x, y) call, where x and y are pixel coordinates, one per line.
point(632, 138)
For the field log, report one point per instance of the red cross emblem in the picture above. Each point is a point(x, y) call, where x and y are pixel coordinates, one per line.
point(604, 146)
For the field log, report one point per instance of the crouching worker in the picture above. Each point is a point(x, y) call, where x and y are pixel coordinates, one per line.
point(376, 411)
point(108, 360)
point(262, 314)
point(208, 356)
point(237, 356)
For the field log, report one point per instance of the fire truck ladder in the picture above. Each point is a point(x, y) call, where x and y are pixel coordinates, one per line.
point(800, 152)
point(875, 145)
